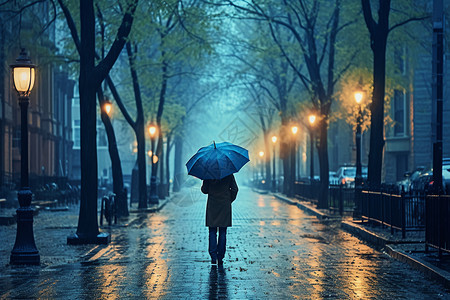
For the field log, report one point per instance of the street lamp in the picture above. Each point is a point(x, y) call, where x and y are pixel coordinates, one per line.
point(24, 251)
point(358, 178)
point(107, 106)
point(312, 120)
point(153, 188)
point(274, 183)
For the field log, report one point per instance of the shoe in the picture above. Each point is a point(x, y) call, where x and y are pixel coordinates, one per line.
point(220, 262)
point(213, 261)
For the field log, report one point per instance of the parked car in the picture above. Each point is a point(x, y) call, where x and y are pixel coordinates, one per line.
point(346, 175)
point(423, 182)
point(405, 184)
point(333, 178)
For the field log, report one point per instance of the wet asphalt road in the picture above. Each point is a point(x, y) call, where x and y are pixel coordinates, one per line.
point(274, 251)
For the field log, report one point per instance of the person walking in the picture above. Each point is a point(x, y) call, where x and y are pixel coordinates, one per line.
point(221, 193)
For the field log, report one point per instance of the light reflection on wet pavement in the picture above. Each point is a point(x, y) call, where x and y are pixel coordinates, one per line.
point(274, 251)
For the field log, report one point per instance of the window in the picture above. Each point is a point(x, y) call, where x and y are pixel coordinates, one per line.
point(399, 113)
point(76, 134)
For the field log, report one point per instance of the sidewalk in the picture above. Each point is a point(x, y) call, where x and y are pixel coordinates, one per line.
point(274, 251)
point(56, 224)
point(410, 250)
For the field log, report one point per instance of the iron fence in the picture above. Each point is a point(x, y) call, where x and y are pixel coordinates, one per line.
point(307, 191)
point(398, 211)
point(437, 233)
point(341, 198)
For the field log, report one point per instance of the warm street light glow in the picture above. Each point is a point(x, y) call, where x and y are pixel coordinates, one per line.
point(294, 129)
point(150, 153)
point(152, 130)
point(24, 79)
point(261, 153)
point(24, 74)
point(274, 139)
point(359, 96)
point(312, 119)
point(155, 159)
point(24, 251)
point(107, 106)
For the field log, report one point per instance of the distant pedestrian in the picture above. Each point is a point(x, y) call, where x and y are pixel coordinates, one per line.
point(221, 193)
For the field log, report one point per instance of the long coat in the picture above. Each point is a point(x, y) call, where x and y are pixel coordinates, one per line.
point(221, 193)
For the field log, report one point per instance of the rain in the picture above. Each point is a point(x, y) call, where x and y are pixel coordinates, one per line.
point(224, 149)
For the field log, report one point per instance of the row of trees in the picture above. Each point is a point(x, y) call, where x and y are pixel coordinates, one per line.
point(291, 58)
point(165, 48)
point(148, 57)
point(304, 51)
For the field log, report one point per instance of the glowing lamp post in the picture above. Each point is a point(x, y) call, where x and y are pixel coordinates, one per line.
point(261, 155)
point(24, 251)
point(312, 120)
point(274, 183)
point(107, 106)
point(359, 95)
point(154, 159)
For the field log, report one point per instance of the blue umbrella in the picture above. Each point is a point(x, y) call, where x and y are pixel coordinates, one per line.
point(217, 161)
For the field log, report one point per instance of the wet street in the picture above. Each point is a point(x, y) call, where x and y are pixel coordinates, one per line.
point(274, 251)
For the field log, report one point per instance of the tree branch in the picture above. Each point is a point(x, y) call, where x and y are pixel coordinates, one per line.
point(407, 21)
point(368, 17)
point(71, 24)
point(103, 68)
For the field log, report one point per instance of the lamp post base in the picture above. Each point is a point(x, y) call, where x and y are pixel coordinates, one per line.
point(24, 251)
point(103, 238)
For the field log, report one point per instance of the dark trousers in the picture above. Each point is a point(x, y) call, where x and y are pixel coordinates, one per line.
point(217, 248)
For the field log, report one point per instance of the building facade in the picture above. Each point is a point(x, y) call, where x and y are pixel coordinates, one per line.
point(49, 112)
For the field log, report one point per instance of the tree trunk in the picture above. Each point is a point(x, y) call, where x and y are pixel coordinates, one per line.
point(162, 177)
point(285, 157)
point(377, 111)
point(169, 140)
point(322, 150)
point(116, 166)
point(178, 174)
point(267, 158)
point(162, 99)
point(2, 104)
point(378, 39)
point(87, 221)
point(139, 128)
point(142, 179)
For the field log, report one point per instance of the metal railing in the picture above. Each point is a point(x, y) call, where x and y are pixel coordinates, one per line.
point(437, 233)
point(398, 211)
point(341, 198)
point(307, 191)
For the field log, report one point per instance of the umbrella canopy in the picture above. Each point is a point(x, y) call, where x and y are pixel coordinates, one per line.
point(217, 161)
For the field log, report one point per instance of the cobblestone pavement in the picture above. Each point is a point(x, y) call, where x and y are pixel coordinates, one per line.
point(274, 251)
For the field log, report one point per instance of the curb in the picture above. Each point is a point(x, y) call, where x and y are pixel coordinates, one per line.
point(308, 209)
point(364, 234)
point(429, 270)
